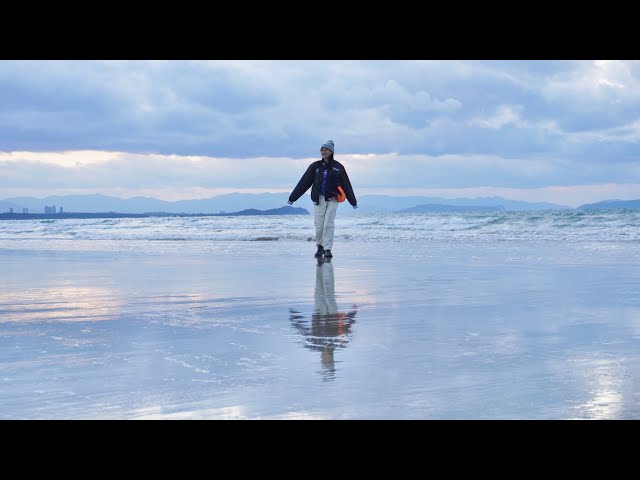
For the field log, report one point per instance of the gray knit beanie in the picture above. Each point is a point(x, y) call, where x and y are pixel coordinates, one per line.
point(329, 144)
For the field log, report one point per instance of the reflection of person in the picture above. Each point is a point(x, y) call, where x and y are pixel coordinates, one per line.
point(330, 329)
point(324, 177)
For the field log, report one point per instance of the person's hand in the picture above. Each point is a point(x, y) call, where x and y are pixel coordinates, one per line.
point(355, 206)
point(290, 202)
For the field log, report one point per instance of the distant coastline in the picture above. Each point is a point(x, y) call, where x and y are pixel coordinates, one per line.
point(102, 206)
point(59, 216)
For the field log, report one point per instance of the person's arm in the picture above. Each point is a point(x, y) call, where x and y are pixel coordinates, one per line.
point(348, 189)
point(303, 185)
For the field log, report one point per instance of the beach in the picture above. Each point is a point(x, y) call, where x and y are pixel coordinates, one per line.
point(262, 330)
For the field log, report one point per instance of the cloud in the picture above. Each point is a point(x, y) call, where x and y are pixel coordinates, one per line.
point(503, 115)
point(107, 170)
point(256, 124)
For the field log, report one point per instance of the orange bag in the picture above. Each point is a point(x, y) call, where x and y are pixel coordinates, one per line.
point(341, 197)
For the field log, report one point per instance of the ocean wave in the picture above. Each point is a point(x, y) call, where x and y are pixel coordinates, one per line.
point(565, 226)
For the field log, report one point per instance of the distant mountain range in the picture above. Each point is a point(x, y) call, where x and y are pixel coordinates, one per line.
point(385, 203)
point(606, 204)
point(236, 202)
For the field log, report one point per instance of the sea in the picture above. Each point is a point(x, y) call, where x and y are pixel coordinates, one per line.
point(465, 315)
point(592, 227)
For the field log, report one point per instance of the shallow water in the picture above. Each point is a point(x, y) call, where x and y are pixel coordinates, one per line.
point(252, 330)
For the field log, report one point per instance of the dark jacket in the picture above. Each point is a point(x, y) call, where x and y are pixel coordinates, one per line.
point(337, 176)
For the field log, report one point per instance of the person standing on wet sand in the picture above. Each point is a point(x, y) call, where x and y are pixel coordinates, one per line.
point(324, 177)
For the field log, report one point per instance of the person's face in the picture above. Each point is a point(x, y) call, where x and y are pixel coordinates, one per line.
point(325, 152)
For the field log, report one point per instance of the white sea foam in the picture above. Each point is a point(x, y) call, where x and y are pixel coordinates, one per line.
point(553, 226)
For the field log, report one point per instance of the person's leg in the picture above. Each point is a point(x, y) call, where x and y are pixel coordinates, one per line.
point(329, 288)
point(329, 227)
point(319, 294)
point(319, 212)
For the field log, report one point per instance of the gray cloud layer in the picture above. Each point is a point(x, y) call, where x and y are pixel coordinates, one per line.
point(246, 109)
point(444, 123)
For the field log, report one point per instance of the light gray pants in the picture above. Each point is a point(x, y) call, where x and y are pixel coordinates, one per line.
point(324, 293)
point(324, 215)
point(325, 318)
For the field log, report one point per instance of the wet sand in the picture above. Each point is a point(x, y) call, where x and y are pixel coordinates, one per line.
point(261, 330)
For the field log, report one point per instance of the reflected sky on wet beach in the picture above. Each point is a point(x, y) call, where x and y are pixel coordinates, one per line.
point(426, 331)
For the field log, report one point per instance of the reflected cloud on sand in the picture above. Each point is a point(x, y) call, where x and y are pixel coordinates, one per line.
point(330, 328)
point(58, 304)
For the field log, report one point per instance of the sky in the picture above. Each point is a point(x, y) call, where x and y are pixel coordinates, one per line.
point(561, 131)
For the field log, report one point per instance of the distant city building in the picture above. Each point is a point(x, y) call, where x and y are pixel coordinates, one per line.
point(11, 210)
point(25, 210)
point(52, 209)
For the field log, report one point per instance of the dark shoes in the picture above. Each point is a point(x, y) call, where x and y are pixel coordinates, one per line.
point(322, 252)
